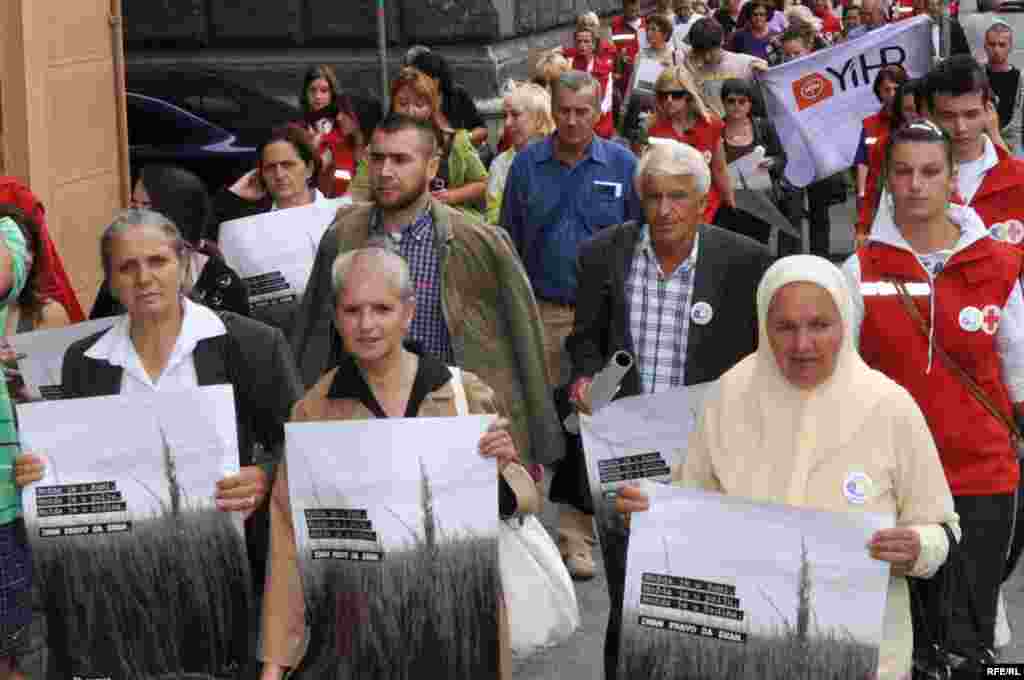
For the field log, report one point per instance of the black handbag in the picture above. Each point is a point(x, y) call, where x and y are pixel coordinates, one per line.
point(931, 609)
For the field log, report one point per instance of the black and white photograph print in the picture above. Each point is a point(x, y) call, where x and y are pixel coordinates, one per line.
point(396, 527)
point(141, 575)
point(720, 587)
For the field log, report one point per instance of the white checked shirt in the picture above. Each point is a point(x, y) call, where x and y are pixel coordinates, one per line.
point(659, 315)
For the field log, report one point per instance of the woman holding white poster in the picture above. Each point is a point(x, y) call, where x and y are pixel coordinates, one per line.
point(15, 554)
point(805, 422)
point(383, 377)
point(166, 342)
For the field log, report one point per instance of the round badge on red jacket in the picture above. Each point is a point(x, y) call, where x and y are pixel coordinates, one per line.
point(970, 319)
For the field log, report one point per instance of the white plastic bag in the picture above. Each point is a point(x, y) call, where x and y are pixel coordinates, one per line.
point(539, 593)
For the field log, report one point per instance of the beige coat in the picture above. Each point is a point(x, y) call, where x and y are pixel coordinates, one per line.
point(763, 439)
point(284, 627)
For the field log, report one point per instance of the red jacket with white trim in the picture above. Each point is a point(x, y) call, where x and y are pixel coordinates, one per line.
point(999, 199)
point(964, 302)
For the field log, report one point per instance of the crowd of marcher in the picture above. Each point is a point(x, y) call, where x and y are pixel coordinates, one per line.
point(606, 220)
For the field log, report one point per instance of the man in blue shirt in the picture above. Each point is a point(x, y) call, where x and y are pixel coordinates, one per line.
point(561, 191)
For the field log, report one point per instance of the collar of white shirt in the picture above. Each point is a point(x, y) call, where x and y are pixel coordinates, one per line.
point(971, 174)
point(116, 346)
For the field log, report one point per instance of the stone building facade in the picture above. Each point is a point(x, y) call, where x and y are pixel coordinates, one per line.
point(487, 41)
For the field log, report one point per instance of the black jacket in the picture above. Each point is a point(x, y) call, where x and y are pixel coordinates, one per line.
point(729, 268)
point(252, 357)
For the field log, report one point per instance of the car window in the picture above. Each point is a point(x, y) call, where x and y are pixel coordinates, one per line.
point(156, 123)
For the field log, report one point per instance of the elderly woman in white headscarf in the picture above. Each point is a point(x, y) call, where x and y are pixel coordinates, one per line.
point(805, 422)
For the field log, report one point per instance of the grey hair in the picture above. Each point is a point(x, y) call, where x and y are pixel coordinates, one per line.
point(385, 259)
point(670, 157)
point(577, 81)
point(1000, 26)
point(139, 217)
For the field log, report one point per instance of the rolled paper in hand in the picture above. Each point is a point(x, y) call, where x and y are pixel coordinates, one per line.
point(605, 385)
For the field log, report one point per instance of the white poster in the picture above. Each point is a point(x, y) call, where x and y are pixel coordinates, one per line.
point(818, 103)
point(274, 251)
point(43, 352)
point(396, 523)
point(720, 587)
point(643, 437)
point(141, 574)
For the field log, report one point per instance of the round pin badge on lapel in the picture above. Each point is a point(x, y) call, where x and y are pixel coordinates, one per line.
point(701, 313)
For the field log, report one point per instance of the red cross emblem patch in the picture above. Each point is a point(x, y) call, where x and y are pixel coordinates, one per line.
point(990, 319)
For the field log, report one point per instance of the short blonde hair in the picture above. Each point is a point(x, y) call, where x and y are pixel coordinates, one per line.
point(802, 14)
point(381, 257)
point(549, 67)
point(670, 157)
point(535, 100)
point(679, 78)
point(588, 20)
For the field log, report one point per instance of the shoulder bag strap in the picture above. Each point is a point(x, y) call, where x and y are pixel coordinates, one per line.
point(968, 382)
point(461, 403)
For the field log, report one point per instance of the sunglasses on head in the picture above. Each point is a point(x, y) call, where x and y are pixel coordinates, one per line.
point(674, 95)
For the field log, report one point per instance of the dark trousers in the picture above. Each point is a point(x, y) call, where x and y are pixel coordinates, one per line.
point(1017, 544)
point(819, 223)
point(986, 523)
point(614, 538)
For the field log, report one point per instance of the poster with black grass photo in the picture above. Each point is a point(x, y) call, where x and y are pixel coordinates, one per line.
point(396, 526)
point(141, 575)
point(721, 587)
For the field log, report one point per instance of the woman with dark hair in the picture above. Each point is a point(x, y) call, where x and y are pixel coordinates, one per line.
point(163, 341)
point(342, 148)
point(319, 100)
point(871, 150)
point(939, 309)
point(456, 104)
point(744, 133)
point(754, 34)
point(181, 197)
point(286, 176)
point(32, 310)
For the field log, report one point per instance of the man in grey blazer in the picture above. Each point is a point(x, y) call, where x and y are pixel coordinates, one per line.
point(676, 294)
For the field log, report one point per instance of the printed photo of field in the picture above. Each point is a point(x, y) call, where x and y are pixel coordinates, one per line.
point(173, 596)
point(140, 575)
point(724, 588)
point(397, 548)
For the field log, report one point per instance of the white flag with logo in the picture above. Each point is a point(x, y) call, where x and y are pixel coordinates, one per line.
point(818, 103)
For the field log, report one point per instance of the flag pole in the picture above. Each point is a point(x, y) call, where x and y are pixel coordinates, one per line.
point(945, 30)
point(382, 50)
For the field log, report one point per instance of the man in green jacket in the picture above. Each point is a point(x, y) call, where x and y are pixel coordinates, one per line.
point(474, 304)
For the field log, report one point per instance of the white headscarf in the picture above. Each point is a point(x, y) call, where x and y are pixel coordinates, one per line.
point(779, 423)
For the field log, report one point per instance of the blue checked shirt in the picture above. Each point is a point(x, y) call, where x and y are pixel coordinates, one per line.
point(415, 243)
point(659, 315)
